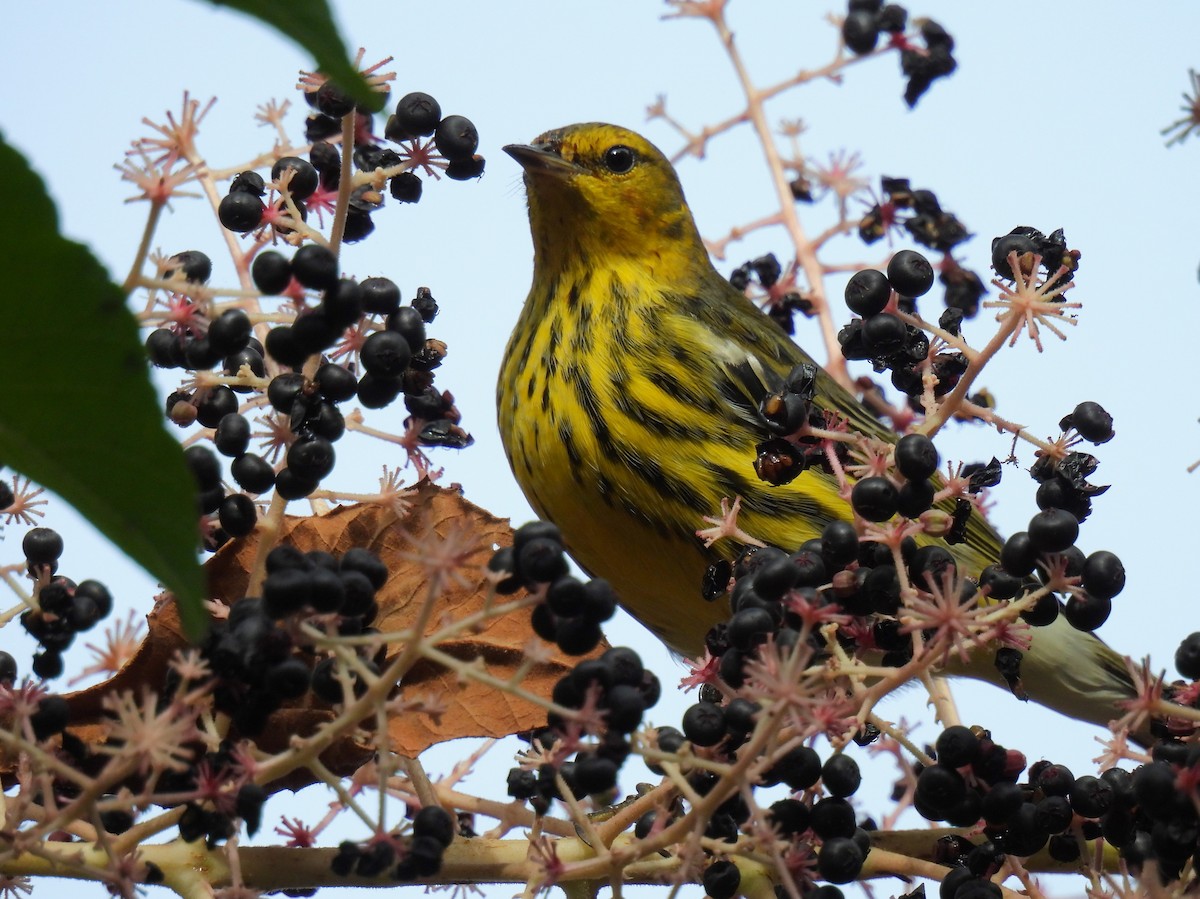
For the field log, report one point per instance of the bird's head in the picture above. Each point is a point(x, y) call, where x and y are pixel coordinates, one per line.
point(598, 189)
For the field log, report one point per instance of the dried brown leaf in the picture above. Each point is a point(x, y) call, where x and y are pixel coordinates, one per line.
point(464, 708)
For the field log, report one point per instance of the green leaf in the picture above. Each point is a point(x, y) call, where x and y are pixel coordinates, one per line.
point(310, 24)
point(78, 413)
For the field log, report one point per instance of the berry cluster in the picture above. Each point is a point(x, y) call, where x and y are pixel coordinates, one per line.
point(396, 356)
point(1048, 545)
point(1145, 814)
point(783, 299)
point(885, 339)
point(222, 794)
point(774, 591)
point(918, 212)
point(258, 652)
point(63, 607)
point(313, 183)
point(408, 856)
point(615, 689)
point(867, 19)
point(608, 696)
point(334, 338)
point(1030, 244)
point(419, 115)
point(572, 611)
point(920, 215)
point(824, 826)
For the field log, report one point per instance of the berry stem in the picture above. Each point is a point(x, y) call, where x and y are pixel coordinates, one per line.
point(143, 250)
point(345, 182)
point(895, 733)
point(944, 706)
point(268, 530)
point(835, 364)
point(716, 248)
point(419, 779)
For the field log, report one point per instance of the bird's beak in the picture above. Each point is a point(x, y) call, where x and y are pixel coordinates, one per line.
point(541, 159)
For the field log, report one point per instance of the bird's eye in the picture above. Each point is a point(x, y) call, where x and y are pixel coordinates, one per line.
point(618, 159)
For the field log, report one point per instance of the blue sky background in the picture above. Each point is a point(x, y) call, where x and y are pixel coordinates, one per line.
point(1052, 120)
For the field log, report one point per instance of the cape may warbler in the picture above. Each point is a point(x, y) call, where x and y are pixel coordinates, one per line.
point(629, 408)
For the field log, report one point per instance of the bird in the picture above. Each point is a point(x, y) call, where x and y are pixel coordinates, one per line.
point(627, 407)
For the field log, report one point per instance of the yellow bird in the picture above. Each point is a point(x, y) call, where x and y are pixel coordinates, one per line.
point(628, 412)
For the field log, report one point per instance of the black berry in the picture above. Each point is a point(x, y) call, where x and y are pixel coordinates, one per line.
point(272, 272)
point(910, 273)
point(305, 179)
point(315, 266)
point(417, 115)
point(456, 138)
point(240, 211)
